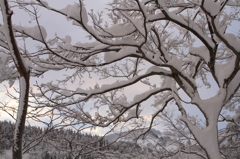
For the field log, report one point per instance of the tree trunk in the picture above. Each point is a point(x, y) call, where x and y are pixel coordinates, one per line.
point(211, 146)
point(21, 117)
point(208, 137)
point(24, 79)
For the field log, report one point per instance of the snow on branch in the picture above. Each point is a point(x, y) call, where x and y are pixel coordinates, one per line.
point(104, 88)
point(169, 46)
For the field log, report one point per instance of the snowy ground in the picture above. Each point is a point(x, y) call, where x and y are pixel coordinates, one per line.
point(8, 155)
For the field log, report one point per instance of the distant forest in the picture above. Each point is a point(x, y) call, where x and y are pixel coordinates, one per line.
point(63, 143)
point(53, 143)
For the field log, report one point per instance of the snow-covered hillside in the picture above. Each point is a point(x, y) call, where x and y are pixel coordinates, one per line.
point(139, 133)
point(152, 137)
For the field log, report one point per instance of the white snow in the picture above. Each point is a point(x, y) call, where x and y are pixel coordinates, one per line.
point(45, 4)
point(114, 111)
point(232, 40)
point(207, 136)
point(223, 71)
point(66, 92)
point(236, 118)
point(193, 59)
point(23, 87)
point(212, 7)
point(100, 47)
point(139, 24)
point(176, 63)
point(37, 32)
point(52, 41)
point(7, 154)
point(119, 30)
point(153, 17)
point(3, 58)
point(67, 39)
point(201, 52)
point(125, 51)
point(72, 11)
point(143, 96)
point(84, 15)
point(157, 69)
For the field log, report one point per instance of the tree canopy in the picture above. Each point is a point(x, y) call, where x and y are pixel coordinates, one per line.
point(171, 53)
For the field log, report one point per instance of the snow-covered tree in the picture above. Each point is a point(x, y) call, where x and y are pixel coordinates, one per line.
point(169, 51)
point(230, 136)
point(172, 47)
point(9, 43)
point(16, 66)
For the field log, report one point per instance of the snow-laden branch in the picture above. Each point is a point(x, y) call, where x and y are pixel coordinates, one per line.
point(105, 88)
point(185, 43)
